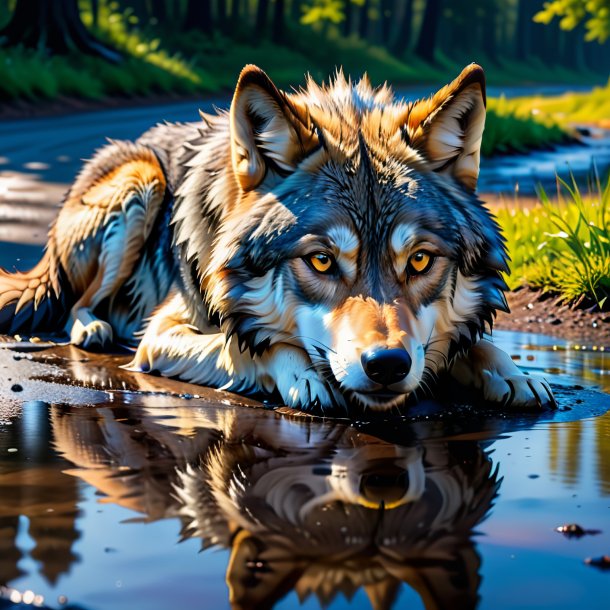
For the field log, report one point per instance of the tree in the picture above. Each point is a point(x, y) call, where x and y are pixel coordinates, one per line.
point(277, 27)
point(402, 39)
point(199, 16)
point(388, 9)
point(426, 43)
point(595, 14)
point(348, 11)
point(363, 26)
point(53, 28)
point(260, 24)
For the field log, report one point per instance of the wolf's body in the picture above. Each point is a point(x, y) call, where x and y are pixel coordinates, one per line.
point(326, 245)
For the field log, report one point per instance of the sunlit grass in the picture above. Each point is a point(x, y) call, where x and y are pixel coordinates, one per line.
point(563, 246)
point(587, 107)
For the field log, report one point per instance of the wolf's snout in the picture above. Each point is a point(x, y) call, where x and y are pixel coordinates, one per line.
point(386, 366)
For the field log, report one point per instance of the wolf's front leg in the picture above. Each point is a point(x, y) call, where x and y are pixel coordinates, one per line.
point(490, 370)
point(174, 348)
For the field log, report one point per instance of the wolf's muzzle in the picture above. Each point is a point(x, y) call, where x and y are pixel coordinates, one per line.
point(386, 366)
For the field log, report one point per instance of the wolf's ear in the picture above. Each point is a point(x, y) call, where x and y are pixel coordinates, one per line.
point(267, 129)
point(448, 127)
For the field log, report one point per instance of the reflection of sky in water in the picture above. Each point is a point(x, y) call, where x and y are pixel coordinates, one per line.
point(553, 473)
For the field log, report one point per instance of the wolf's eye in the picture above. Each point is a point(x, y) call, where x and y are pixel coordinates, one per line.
point(320, 262)
point(419, 263)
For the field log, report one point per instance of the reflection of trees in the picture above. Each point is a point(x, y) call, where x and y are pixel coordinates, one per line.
point(567, 444)
point(602, 434)
point(318, 508)
point(39, 497)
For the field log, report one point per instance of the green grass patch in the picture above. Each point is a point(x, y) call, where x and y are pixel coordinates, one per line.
point(513, 128)
point(588, 107)
point(562, 247)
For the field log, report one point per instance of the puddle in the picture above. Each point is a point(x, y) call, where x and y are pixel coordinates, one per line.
point(159, 494)
point(501, 174)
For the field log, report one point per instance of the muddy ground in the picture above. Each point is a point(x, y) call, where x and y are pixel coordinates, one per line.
point(532, 311)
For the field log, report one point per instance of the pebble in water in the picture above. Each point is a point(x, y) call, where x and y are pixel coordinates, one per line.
point(603, 562)
point(573, 530)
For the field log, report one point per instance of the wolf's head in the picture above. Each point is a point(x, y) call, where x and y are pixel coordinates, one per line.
point(353, 234)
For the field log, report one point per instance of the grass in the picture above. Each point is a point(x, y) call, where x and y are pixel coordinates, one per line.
point(512, 128)
point(591, 107)
point(562, 247)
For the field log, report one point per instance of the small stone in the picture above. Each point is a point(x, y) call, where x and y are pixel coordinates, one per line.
point(573, 530)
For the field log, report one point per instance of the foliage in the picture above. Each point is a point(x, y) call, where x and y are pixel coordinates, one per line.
point(594, 13)
point(562, 247)
point(323, 10)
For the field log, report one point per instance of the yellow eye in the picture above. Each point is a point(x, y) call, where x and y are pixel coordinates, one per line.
point(320, 262)
point(419, 263)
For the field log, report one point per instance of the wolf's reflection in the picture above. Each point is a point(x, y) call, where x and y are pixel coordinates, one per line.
point(315, 507)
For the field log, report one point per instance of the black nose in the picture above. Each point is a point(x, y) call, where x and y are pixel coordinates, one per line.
point(386, 366)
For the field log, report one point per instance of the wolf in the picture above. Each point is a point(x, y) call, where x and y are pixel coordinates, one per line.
point(324, 246)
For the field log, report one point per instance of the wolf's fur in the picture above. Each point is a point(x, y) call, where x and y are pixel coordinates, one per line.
point(223, 216)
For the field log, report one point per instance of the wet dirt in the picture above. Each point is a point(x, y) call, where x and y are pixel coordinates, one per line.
point(534, 312)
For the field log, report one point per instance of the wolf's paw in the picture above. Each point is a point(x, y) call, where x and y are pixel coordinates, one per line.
point(305, 392)
point(93, 335)
point(517, 391)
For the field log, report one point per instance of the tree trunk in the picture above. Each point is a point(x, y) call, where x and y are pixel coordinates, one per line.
point(53, 27)
point(237, 12)
point(363, 26)
point(295, 11)
point(402, 38)
point(277, 28)
point(199, 16)
point(137, 7)
point(426, 43)
point(522, 31)
point(387, 8)
point(95, 12)
point(490, 32)
point(158, 9)
point(261, 18)
point(573, 46)
point(348, 12)
point(221, 14)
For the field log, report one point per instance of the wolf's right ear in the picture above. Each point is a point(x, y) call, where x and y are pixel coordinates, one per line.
point(448, 127)
point(267, 128)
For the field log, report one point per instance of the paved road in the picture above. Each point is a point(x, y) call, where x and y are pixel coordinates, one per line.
point(39, 158)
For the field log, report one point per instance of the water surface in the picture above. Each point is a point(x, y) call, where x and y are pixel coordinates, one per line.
point(129, 492)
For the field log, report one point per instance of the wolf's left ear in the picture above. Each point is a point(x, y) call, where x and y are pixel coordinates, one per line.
point(448, 127)
point(267, 129)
